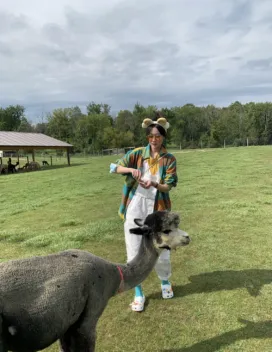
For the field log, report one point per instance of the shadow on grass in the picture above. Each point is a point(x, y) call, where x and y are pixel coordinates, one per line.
point(44, 168)
point(48, 168)
point(251, 279)
point(258, 330)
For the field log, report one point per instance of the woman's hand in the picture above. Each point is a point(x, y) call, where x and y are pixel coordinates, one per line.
point(146, 184)
point(136, 174)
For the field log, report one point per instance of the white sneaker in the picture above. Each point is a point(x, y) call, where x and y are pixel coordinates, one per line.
point(138, 304)
point(167, 291)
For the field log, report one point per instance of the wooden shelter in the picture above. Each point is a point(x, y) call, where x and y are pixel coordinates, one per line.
point(32, 141)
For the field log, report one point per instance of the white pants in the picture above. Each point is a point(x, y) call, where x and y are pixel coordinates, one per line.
point(140, 207)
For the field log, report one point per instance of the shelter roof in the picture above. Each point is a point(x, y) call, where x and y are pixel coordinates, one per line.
point(23, 140)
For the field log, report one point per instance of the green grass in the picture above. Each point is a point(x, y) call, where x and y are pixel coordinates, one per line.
point(222, 281)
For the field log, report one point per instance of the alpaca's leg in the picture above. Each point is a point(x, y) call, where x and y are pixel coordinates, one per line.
point(79, 339)
point(84, 342)
point(3, 347)
point(85, 335)
point(77, 342)
point(65, 343)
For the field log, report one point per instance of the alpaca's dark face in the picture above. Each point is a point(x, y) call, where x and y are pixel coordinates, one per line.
point(163, 227)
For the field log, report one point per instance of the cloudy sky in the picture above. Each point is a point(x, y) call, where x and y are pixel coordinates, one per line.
point(58, 53)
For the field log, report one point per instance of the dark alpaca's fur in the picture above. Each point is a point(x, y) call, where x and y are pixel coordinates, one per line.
point(61, 296)
point(12, 167)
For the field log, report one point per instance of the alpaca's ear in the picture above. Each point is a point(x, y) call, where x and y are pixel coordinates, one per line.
point(143, 230)
point(139, 222)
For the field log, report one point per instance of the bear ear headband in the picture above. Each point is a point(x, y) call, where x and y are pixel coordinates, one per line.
point(161, 121)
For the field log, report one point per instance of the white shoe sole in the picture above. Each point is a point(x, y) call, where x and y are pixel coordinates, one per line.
point(137, 307)
point(167, 293)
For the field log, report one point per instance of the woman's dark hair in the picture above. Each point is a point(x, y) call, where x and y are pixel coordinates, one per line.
point(162, 131)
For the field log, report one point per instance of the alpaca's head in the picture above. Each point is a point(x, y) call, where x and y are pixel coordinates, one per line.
point(163, 227)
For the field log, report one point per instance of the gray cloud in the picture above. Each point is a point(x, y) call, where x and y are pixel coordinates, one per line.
point(156, 52)
point(10, 23)
point(261, 64)
point(240, 13)
point(5, 49)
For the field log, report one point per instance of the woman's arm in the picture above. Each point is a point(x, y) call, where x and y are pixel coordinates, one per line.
point(171, 177)
point(119, 169)
point(123, 169)
point(161, 187)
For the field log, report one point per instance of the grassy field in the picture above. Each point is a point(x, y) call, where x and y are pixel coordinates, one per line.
point(222, 281)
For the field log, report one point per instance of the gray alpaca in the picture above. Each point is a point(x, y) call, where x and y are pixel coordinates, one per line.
point(61, 296)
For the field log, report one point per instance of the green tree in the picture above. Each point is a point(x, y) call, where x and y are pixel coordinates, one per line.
point(59, 125)
point(74, 114)
point(89, 132)
point(110, 138)
point(41, 128)
point(97, 109)
point(125, 121)
point(25, 126)
point(11, 117)
point(188, 125)
point(263, 122)
point(126, 139)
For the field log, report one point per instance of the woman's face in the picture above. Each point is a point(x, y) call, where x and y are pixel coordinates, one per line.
point(155, 139)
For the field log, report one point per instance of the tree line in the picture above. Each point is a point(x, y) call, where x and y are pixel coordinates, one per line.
point(191, 126)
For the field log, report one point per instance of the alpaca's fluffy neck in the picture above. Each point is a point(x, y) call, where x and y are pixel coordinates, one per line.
point(139, 268)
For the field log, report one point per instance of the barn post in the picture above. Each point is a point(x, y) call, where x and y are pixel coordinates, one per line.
point(68, 156)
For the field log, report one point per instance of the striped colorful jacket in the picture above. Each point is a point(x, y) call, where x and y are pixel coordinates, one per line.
point(167, 171)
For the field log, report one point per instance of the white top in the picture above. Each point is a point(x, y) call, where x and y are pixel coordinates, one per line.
point(151, 192)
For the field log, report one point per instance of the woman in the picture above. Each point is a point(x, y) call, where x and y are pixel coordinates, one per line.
point(151, 173)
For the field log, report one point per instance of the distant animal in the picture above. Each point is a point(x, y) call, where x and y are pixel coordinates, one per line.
point(44, 162)
point(31, 166)
point(3, 169)
point(12, 167)
point(25, 166)
point(62, 296)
